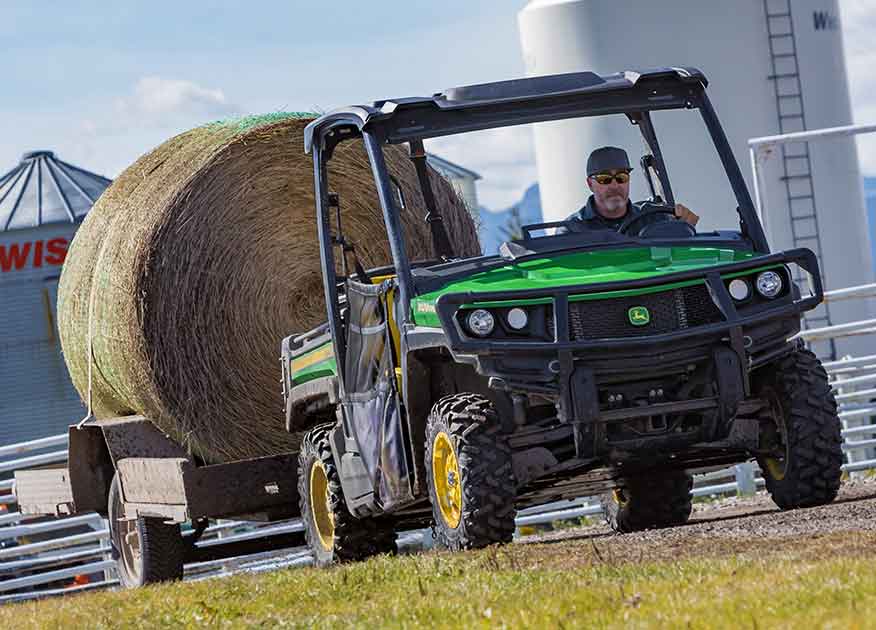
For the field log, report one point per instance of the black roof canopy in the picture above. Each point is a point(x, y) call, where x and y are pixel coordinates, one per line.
point(514, 102)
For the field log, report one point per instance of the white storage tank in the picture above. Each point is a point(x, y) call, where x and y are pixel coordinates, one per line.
point(773, 68)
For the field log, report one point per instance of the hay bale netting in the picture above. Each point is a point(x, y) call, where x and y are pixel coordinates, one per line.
point(200, 257)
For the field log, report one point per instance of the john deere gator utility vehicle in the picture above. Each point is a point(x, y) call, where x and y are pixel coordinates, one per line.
point(453, 392)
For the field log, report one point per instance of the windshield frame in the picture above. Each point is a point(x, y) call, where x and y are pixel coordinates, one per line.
point(430, 118)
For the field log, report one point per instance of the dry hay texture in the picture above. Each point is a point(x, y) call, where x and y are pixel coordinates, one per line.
point(196, 262)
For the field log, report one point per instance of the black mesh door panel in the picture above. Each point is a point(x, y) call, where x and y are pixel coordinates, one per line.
point(371, 400)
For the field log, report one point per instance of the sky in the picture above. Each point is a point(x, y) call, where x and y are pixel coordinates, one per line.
point(102, 83)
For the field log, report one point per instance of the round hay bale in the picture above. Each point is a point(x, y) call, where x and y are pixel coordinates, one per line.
point(200, 257)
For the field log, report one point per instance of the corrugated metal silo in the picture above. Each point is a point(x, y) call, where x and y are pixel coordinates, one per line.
point(775, 66)
point(42, 202)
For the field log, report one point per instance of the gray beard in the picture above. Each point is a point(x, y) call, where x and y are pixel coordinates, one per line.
point(614, 203)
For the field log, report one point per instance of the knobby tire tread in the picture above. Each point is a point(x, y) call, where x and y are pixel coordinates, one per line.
point(489, 489)
point(653, 502)
point(814, 433)
point(355, 538)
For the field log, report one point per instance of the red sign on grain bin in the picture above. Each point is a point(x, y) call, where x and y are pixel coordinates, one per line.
point(16, 256)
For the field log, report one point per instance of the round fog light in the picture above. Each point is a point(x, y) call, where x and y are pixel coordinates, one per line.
point(517, 318)
point(769, 284)
point(481, 322)
point(739, 289)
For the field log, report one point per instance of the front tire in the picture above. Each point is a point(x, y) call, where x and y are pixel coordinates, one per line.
point(806, 466)
point(147, 550)
point(471, 480)
point(333, 534)
point(649, 502)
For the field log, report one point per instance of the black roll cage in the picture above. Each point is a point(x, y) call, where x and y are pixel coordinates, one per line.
point(502, 104)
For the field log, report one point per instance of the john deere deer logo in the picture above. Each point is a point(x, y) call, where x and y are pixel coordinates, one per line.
point(639, 316)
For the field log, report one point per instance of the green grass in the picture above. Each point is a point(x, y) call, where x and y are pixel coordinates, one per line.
point(821, 582)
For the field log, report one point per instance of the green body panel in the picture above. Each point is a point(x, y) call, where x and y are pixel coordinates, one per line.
point(318, 370)
point(580, 268)
point(313, 365)
point(601, 295)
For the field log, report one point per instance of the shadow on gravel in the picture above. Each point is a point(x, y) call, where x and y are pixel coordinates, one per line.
point(855, 497)
point(759, 506)
point(739, 513)
point(588, 533)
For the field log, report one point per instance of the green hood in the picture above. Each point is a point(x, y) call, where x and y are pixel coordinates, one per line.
point(590, 267)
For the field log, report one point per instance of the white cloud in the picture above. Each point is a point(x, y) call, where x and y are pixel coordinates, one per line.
point(159, 97)
point(153, 110)
point(504, 157)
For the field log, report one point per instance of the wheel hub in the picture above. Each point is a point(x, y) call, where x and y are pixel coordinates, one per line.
point(320, 506)
point(131, 555)
point(132, 539)
point(445, 472)
point(619, 497)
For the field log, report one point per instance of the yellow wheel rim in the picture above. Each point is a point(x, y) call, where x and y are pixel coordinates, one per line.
point(448, 483)
point(320, 506)
point(775, 468)
point(619, 497)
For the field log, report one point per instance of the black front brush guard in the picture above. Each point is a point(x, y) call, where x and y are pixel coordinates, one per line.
point(576, 384)
point(462, 344)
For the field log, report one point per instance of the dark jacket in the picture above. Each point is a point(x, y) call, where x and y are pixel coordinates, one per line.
point(588, 218)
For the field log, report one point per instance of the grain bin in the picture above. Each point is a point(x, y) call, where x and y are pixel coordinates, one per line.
point(42, 201)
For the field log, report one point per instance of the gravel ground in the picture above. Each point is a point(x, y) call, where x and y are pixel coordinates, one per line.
point(735, 526)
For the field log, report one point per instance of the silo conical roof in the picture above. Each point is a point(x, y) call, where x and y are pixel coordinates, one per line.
point(42, 189)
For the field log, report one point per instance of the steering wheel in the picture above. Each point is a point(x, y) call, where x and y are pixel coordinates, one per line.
point(664, 228)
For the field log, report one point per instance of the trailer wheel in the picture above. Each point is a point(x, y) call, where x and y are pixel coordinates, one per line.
point(146, 550)
point(471, 479)
point(805, 434)
point(649, 502)
point(333, 534)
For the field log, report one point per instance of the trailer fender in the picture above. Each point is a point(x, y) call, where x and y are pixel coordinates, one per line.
point(95, 449)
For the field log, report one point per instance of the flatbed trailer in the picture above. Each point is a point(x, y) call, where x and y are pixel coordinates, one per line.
point(132, 473)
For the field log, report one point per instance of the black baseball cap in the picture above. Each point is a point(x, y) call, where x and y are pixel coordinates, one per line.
point(606, 159)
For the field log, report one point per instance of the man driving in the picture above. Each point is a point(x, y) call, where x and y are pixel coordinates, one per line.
point(608, 176)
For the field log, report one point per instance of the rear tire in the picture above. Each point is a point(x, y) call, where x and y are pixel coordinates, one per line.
point(333, 534)
point(470, 476)
point(649, 502)
point(807, 467)
point(147, 550)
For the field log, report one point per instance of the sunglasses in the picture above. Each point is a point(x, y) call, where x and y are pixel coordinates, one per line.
point(603, 179)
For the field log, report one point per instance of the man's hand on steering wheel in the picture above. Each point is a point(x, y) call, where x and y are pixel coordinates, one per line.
point(645, 223)
point(686, 214)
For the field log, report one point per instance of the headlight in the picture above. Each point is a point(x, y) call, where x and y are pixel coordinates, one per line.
point(740, 290)
point(481, 322)
point(769, 284)
point(517, 318)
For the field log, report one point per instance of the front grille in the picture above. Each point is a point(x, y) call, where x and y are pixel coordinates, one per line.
point(669, 311)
